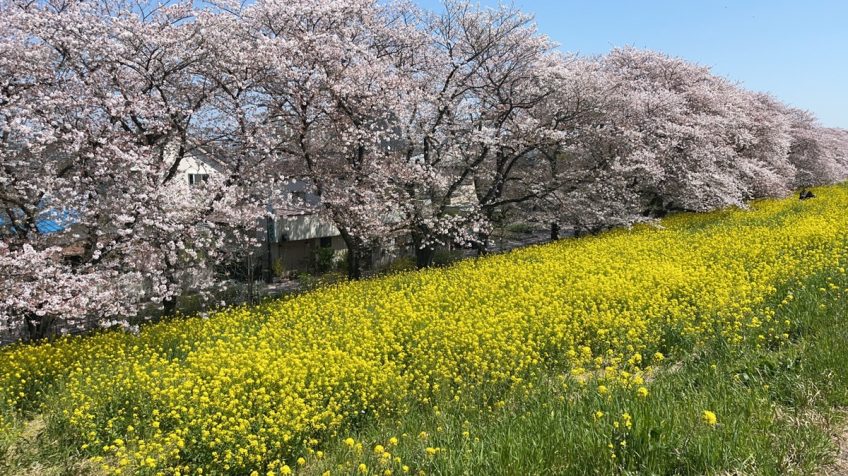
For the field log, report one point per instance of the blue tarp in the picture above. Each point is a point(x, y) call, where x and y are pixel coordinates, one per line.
point(49, 221)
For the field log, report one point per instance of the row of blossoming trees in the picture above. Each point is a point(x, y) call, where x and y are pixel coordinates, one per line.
point(389, 113)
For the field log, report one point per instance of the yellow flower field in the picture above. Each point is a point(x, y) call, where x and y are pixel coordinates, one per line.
point(250, 388)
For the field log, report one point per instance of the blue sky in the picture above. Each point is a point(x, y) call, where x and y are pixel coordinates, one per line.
point(796, 50)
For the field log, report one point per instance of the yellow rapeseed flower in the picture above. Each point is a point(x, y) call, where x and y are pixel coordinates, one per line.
point(249, 385)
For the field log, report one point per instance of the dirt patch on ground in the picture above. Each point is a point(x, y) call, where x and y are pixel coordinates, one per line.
point(840, 466)
point(33, 453)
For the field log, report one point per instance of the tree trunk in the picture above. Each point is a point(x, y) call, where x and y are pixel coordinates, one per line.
point(423, 253)
point(269, 238)
point(37, 328)
point(554, 231)
point(424, 257)
point(251, 280)
point(169, 306)
point(354, 255)
point(354, 263)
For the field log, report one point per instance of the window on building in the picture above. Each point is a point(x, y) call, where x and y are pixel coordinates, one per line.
point(326, 242)
point(194, 179)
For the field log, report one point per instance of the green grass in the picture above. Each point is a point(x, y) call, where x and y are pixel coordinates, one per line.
point(777, 411)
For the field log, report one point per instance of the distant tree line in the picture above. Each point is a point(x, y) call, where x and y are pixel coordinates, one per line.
point(391, 114)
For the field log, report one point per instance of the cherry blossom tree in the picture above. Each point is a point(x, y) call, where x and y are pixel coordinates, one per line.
point(676, 114)
point(664, 134)
point(649, 133)
point(337, 81)
point(478, 78)
point(589, 188)
point(818, 153)
point(101, 103)
point(759, 134)
point(59, 153)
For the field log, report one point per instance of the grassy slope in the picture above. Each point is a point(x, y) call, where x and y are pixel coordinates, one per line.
point(777, 411)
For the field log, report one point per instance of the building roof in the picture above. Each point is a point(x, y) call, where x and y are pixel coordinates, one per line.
point(49, 221)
